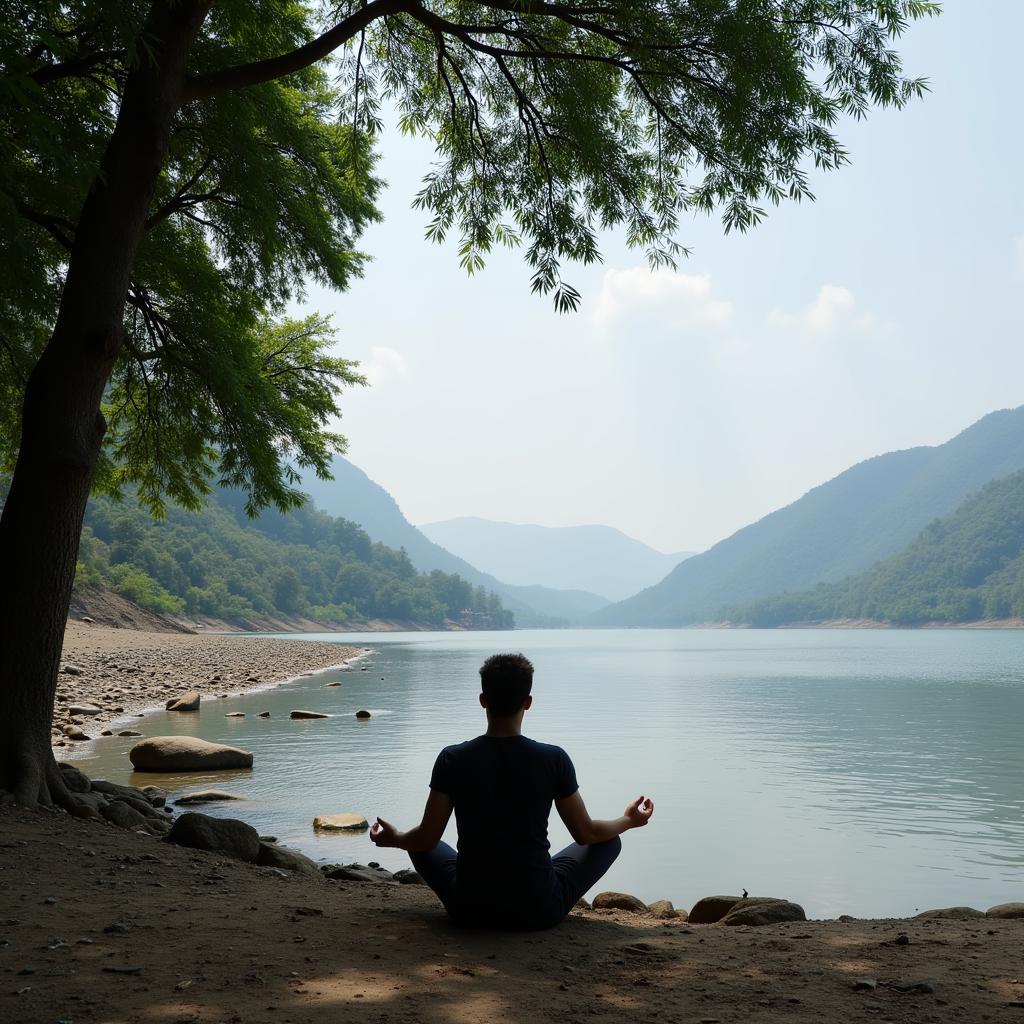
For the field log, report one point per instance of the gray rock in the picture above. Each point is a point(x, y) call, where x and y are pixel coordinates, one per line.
point(219, 835)
point(155, 795)
point(360, 873)
point(129, 732)
point(84, 709)
point(1006, 911)
point(186, 702)
point(949, 914)
point(664, 910)
point(922, 987)
point(235, 714)
point(273, 856)
point(206, 796)
point(406, 876)
point(308, 714)
point(119, 813)
point(74, 732)
point(763, 910)
point(263, 714)
point(75, 780)
point(72, 670)
point(618, 901)
point(363, 714)
point(186, 754)
point(712, 908)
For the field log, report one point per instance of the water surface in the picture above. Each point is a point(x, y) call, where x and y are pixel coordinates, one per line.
point(864, 772)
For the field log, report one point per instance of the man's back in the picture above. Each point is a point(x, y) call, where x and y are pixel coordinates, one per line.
point(501, 789)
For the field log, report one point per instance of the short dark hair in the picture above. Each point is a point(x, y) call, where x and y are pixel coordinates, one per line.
point(506, 681)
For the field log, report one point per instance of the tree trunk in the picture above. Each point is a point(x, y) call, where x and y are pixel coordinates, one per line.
point(62, 427)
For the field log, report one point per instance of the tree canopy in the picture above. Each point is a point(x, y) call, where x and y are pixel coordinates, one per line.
point(552, 121)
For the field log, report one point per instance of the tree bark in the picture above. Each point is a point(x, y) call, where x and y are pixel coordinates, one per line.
point(62, 427)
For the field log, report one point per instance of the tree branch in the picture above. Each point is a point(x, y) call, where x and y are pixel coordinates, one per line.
point(58, 227)
point(243, 75)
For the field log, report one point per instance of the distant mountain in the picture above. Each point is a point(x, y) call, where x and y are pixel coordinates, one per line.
point(962, 568)
point(842, 527)
point(354, 496)
point(599, 559)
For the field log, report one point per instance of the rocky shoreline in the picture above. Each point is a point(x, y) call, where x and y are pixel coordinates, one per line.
point(109, 675)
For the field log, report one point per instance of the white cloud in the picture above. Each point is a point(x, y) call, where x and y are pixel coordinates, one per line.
point(384, 363)
point(1017, 257)
point(834, 308)
point(679, 300)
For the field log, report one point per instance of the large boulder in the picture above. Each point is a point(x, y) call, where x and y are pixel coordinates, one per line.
point(186, 754)
point(340, 823)
point(618, 901)
point(1006, 911)
point(273, 856)
point(186, 702)
point(218, 835)
point(75, 780)
point(764, 910)
point(712, 908)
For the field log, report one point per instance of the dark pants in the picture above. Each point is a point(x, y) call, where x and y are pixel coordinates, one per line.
point(576, 869)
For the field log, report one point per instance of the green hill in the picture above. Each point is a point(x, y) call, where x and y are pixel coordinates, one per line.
point(962, 568)
point(844, 526)
point(218, 563)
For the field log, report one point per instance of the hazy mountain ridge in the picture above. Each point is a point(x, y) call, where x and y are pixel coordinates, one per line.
point(354, 496)
point(842, 527)
point(598, 559)
point(965, 567)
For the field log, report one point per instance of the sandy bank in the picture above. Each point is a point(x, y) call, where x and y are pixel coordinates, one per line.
point(102, 925)
point(125, 671)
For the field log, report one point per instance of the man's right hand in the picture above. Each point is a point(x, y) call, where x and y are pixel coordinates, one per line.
point(639, 812)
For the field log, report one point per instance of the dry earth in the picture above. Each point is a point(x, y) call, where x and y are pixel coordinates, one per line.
point(102, 926)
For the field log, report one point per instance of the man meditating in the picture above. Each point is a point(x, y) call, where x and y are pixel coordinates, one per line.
point(501, 786)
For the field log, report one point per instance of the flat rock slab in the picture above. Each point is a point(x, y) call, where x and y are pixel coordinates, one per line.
point(340, 823)
point(84, 709)
point(949, 914)
point(309, 714)
point(762, 911)
point(186, 754)
point(361, 873)
point(712, 908)
point(206, 796)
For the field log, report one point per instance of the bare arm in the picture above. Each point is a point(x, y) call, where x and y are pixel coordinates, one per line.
point(586, 831)
point(425, 836)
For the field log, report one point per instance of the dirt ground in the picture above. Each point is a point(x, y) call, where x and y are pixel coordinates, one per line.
point(102, 925)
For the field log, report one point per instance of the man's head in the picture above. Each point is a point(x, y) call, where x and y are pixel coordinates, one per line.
point(505, 683)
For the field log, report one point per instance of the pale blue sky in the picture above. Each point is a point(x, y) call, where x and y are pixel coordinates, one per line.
point(679, 408)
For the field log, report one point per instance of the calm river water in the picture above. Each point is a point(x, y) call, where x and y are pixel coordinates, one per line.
point(868, 772)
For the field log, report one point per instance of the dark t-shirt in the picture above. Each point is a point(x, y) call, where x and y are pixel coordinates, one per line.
point(502, 788)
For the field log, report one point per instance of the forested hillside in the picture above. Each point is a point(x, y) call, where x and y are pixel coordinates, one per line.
point(965, 567)
point(845, 526)
point(354, 496)
point(219, 563)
